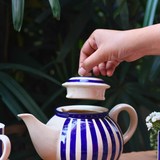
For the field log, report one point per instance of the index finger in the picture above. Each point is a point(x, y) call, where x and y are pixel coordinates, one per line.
point(87, 49)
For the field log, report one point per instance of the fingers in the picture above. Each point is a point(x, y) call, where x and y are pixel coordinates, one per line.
point(98, 65)
point(106, 68)
point(102, 68)
point(96, 71)
point(111, 66)
point(88, 48)
point(96, 55)
point(90, 62)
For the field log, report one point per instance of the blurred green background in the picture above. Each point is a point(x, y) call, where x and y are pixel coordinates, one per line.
point(35, 61)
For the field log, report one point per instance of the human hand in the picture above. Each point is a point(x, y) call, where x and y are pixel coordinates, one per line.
point(106, 49)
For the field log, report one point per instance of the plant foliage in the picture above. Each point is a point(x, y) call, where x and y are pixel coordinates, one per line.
point(45, 53)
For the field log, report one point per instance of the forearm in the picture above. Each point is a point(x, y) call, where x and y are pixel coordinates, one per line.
point(145, 41)
point(105, 49)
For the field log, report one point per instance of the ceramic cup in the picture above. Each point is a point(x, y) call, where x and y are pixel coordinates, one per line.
point(5, 145)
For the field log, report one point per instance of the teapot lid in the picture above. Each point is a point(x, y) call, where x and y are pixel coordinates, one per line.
point(86, 88)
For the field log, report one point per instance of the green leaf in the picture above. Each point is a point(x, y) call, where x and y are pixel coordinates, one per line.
point(146, 102)
point(104, 1)
point(155, 68)
point(124, 13)
point(28, 69)
point(75, 32)
point(124, 71)
point(143, 132)
point(17, 13)
point(9, 100)
point(41, 17)
point(145, 69)
point(56, 94)
point(22, 96)
point(110, 100)
point(150, 12)
point(120, 6)
point(56, 9)
point(134, 141)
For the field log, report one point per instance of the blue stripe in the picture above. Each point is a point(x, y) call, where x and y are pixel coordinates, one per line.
point(94, 139)
point(118, 128)
point(83, 140)
point(64, 138)
point(117, 132)
point(158, 145)
point(80, 115)
point(104, 139)
point(1, 130)
point(85, 81)
point(73, 140)
point(112, 139)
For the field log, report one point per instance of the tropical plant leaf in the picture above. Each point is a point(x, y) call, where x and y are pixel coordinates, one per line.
point(141, 125)
point(145, 69)
point(143, 131)
point(123, 97)
point(56, 94)
point(155, 68)
point(134, 145)
point(40, 18)
point(146, 102)
point(123, 11)
point(120, 6)
point(124, 71)
point(133, 88)
point(104, 1)
point(75, 32)
point(9, 100)
point(23, 96)
point(17, 13)
point(110, 100)
point(56, 9)
point(150, 12)
point(28, 69)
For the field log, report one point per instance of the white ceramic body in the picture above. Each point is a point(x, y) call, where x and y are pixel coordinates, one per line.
point(5, 145)
point(85, 88)
point(81, 136)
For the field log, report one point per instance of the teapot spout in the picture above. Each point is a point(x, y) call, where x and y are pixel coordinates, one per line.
point(42, 137)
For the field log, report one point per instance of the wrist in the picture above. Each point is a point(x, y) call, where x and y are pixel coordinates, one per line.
point(144, 41)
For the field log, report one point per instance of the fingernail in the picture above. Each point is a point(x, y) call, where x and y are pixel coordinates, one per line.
point(81, 71)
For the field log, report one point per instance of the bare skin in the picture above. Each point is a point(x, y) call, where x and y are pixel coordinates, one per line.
point(106, 49)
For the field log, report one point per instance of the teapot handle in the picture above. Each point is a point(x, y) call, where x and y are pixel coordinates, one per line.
point(6, 147)
point(133, 119)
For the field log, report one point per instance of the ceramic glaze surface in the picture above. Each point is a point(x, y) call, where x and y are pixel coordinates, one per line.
point(85, 88)
point(81, 132)
point(5, 145)
point(89, 136)
point(105, 140)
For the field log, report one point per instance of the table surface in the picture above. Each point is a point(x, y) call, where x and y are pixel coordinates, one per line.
point(143, 155)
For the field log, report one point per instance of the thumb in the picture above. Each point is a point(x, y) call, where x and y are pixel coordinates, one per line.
point(93, 60)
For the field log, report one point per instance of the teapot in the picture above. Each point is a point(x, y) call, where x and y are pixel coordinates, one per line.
point(81, 132)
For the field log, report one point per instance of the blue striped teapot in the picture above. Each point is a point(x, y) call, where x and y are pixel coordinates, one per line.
point(81, 132)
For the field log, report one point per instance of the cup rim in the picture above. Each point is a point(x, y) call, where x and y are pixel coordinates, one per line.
point(2, 125)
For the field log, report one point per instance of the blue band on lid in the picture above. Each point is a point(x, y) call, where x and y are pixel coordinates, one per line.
point(85, 80)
